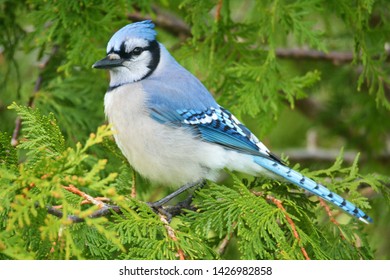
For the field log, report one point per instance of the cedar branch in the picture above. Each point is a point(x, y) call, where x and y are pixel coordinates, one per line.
point(172, 235)
point(87, 197)
point(225, 242)
point(133, 185)
point(278, 204)
point(104, 211)
point(330, 215)
point(107, 209)
point(336, 57)
point(218, 11)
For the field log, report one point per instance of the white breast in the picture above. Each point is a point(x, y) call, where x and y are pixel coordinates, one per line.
point(160, 153)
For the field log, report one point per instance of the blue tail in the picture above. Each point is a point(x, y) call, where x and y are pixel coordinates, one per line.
point(311, 186)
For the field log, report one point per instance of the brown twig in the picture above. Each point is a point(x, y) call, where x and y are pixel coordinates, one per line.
point(104, 209)
point(102, 199)
point(225, 241)
point(59, 239)
point(172, 235)
point(330, 215)
point(328, 211)
point(336, 57)
point(357, 242)
point(18, 121)
point(329, 155)
point(16, 132)
point(87, 197)
point(278, 204)
point(133, 185)
point(304, 54)
point(218, 10)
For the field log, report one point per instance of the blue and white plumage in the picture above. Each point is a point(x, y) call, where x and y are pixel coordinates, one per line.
point(171, 129)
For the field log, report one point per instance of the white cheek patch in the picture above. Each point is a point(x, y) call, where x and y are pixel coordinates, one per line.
point(137, 63)
point(132, 70)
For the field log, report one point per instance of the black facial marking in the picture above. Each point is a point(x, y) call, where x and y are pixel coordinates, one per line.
point(154, 49)
point(128, 55)
point(113, 87)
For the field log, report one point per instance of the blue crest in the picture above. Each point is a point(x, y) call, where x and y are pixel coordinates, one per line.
point(143, 29)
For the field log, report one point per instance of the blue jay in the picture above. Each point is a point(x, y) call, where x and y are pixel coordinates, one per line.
point(170, 128)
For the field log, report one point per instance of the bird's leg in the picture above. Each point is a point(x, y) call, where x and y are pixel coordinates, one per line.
point(159, 203)
point(171, 211)
point(175, 210)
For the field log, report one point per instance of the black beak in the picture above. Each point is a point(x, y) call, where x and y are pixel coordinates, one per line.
point(107, 63)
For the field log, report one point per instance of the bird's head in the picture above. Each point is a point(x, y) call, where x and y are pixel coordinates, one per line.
point(132, 53)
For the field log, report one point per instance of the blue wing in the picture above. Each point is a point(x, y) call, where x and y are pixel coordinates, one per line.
point(215, 125)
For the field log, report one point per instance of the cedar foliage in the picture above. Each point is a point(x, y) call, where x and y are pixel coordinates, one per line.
point(234, 47)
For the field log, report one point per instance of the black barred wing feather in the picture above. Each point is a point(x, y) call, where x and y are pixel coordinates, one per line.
point(218, 125)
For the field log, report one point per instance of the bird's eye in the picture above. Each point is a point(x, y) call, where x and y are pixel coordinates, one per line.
point(137, 51)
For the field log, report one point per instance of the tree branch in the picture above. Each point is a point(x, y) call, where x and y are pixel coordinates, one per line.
point(87, 197)
point(133, 193)
point(305, 54)
point(328, 155)
point(218, 10)
point(172, 235)
point(106, 210)
point(330, 215)
point(278, 204)
point(225, 242)
point(336, 57)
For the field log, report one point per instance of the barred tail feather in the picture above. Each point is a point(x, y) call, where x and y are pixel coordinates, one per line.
point(311, 186)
